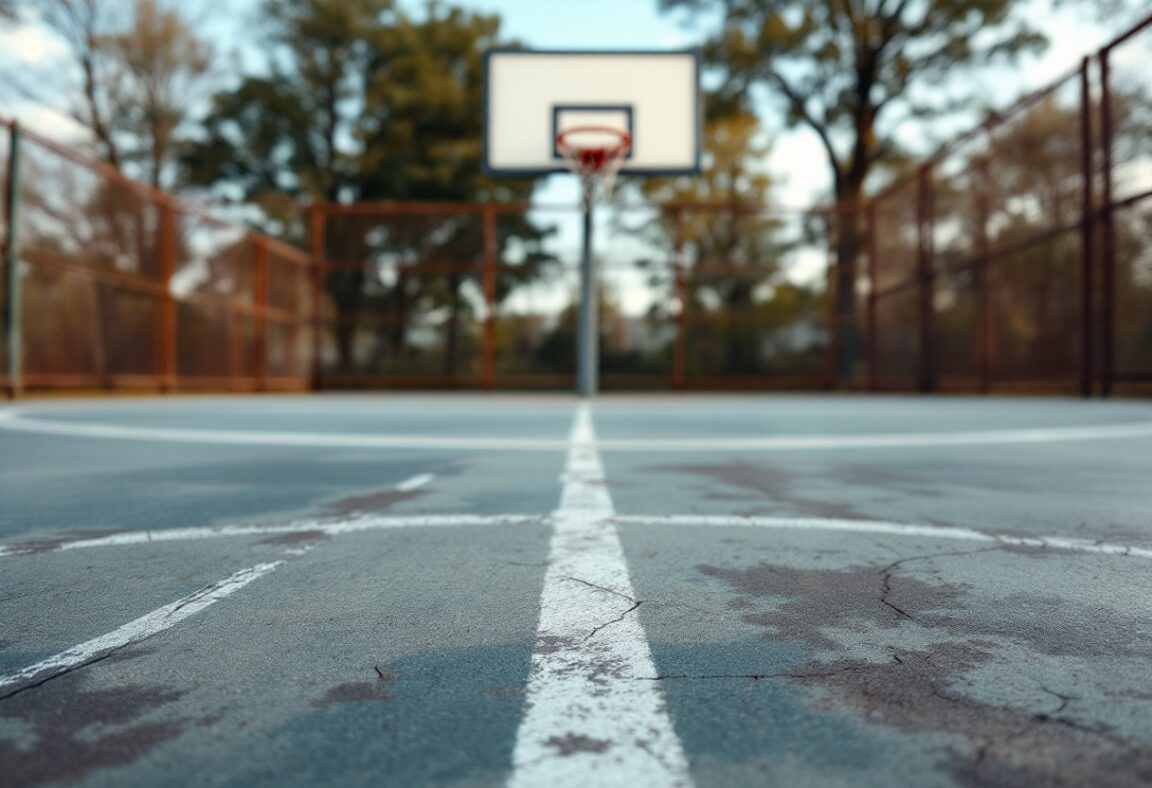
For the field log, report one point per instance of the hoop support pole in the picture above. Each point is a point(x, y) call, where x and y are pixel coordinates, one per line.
point(13, 320)
point(587, 344)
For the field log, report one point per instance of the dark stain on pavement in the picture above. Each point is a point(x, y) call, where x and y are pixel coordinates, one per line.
point(71, 733)
point(375, 502)
point(296, 537)
point(916, 690)
point(881, 479)
point(572, 744)
point(47, 545)
point(771, 483)
point(353, 692)
point(1009, 746)
point(813, 599)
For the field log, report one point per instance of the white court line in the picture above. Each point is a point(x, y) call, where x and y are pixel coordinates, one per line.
point(328, 527)
point(588, 721)
point(881, 527)
point(135, 631)
point(416, 482)
point(15, 421)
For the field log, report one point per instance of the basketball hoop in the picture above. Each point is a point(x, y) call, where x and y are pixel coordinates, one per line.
point(594, 154)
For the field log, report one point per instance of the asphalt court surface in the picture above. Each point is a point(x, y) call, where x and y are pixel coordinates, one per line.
point(471, 590)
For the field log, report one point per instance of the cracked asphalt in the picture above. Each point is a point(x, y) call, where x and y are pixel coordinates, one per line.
point(937, 592)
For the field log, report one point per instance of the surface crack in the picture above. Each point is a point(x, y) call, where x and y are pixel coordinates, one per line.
point(616, 620)
point(62, 672)
point(600, 588)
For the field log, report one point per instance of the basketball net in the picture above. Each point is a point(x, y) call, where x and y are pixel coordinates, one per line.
point(595, 155)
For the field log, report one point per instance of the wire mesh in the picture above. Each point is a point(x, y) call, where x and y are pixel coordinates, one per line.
point(121, 289)
point(405, 300)
point(5, 239)
point(1016, 258)
point(91, 286)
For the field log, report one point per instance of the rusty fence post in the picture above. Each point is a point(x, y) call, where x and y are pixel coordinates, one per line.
point(166, 317)
point(1107, 235)
point(13, 323)
point(260, 297)
point(317, 227)
point(925, 265)
point(491, 252)
point(1087, 232)
point(873, 288)
point(980, 274)
point(832, 310)
point(680, 342)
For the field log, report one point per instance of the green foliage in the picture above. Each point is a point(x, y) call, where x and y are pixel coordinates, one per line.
point(366, 102)
point(136, 66)
point(729, 248)
point(840, 65)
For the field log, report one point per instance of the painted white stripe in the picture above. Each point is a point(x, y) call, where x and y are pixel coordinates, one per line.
point(135, 631)
point(12, 420)
point(416, 482)
point(588, 721)
point(881, 527)
point(328, 527)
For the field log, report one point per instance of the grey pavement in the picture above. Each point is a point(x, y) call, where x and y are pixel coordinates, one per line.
point(930, 591)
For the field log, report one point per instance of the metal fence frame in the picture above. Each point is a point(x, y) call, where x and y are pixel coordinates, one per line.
point(1097, 372)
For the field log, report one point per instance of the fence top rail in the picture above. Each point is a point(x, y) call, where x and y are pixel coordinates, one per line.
point(397, 208)
point(433, 208)
point(989, 125)
point(157, 196)
point(102, 168)
point(1136, 29)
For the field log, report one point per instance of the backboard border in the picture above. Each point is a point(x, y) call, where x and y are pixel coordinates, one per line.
point(650, 172)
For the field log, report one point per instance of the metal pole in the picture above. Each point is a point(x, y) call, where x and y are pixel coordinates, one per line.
point(1087, 240)
point(261, 297)
point(168, 368)
point(980, 272)
point(679, 351)
point(317, 229)
point(490, 254)
point(1108, 235)
point(926, 272)
point(13, 324)
point(587, 347)
point(873, 288)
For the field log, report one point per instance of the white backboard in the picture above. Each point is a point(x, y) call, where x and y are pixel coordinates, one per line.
point(532, 95)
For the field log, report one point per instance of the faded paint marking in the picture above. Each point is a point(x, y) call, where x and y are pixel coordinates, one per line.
point(15, 420)
point(144, 627)
point(588, 720)
point(326, 527)
point(881, 527)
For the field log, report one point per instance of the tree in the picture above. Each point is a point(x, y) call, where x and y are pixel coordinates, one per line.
point(841, 66)
point(139, 67)
point(161, 64)
point(364, 103)
point(729, 247)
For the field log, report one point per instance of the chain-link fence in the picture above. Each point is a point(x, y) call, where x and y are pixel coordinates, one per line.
point(1018, 258)
point(121, 286)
